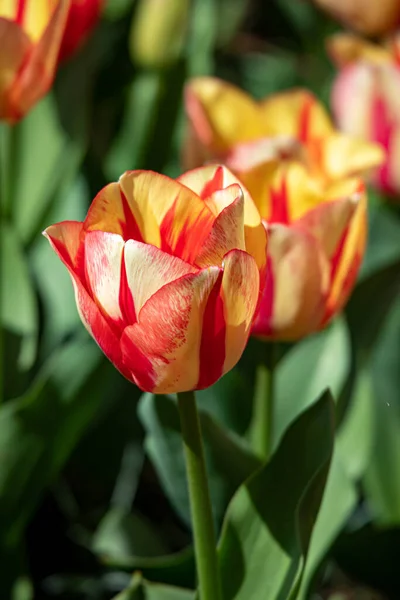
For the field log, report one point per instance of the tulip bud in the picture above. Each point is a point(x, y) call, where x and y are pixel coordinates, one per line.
point(158, 32)
point(167, 275)
point(368, 17)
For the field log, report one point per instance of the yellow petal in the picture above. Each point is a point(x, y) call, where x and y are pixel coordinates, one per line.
point(31, 15)
point(345, 48)
point(344, 156)
point(14, 46)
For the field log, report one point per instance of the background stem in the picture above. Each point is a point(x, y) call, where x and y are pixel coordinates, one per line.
point(200, 504)
point(263, 405)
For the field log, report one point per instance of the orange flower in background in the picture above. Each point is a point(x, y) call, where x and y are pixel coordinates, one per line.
point(365, 16)
point(316, 241)
point(227, 125)
point(32, 34)
point(365, 99)
point(167, 275)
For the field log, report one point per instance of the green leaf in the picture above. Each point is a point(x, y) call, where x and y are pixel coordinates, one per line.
point(19, 313)
point(229, 462)
point(39, 430)
point(144, 590)
point(338, 503)
point(318, 362)
point(383, 246)
point(269, 522)
point(120, 535)
point(382, 480)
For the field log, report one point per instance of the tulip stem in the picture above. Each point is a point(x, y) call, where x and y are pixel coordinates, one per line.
point(263, 405)
point(200, 503)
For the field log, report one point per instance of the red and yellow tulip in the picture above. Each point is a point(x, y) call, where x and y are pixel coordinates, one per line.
point(368, 17)
point(365, 99)
point(227, 125)
point(316, 241)
point(167, 275)
point(32, 34)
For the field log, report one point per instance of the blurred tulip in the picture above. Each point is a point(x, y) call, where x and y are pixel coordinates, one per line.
point(158, 32)
point(167, 275)
point(82, 17)
point(227, 125)
point(366, 99)
point(30, 40)
point(365, 16)
point(316, 241)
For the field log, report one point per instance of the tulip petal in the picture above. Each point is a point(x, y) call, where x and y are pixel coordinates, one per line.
point(103, 259)
point(295, 113)
point(240, 291)
point(32, 16)
point(37, 70)
point(207, 182)
point(162, 349)
point(220, 113)
point(343, 156)
point(297, 283)
point(15, 45)
point(66, 239)
point(148, 269)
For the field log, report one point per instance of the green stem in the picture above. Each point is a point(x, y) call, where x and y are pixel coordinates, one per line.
point(200, 503)
point(8, 159)
point(263, 406)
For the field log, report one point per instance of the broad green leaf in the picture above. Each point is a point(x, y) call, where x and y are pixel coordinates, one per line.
point(338, 502)
point(145, 590)
point(269, 522)
point(312, 365)
point(19, 313)
point(120, 535)
point(382, 480)
point(229, 462)
point(383, 246)
point(39, 430)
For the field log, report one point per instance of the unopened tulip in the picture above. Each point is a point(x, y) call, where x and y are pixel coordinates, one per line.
point(365, 16)
point(366, 99)
point(82, 18)
point(30, 40)
point(167, 275)
point(316, 243)
point(226, 124)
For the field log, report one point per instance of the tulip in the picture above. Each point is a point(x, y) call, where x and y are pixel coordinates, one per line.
point(167, 275)
point(82, 17)
point(316, 241)
point(365, 99)
point(251, 137)
point(33, 36)
point(368, 17)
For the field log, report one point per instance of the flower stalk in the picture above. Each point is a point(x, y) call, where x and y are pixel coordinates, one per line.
point(261, 428)
point(200, 503)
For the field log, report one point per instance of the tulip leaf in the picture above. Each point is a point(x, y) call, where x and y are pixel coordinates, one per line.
point(141, 589)
point(312, 365)
point(19, 313)
point(269, 522)
point(382, 479)
point(383, 248)
point(229, 462)
point(39, 430)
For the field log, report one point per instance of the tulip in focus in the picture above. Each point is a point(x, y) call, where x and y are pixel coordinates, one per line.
point(316, 241)
point(33, 36)
point(368, 17)
point(366, 99)
point(167, 275)
point(250, 137)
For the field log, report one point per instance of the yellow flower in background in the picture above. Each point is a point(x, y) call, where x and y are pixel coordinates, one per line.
point(252, 137)
point(368, 17)
point(316, 242)
point(366, 99)
point(167, 275)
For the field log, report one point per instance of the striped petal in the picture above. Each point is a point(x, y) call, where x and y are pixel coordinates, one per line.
point(207, 182)
point(240, 295)
point(293, 301)
point(67, 239)
point(14, 45)
point(296, 113)
point(220, 113)
point(37, 71)
point(162, 349)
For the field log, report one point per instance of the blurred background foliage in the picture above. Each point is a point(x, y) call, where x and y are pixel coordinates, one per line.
point(92, 484)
